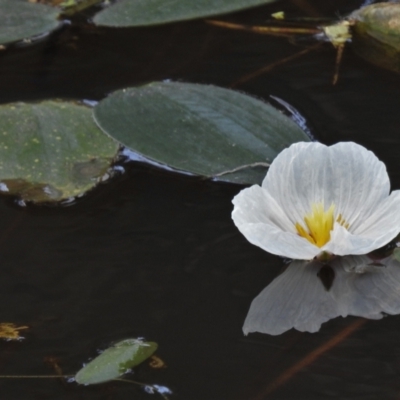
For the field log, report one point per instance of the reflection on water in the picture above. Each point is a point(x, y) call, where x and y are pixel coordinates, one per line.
point(152, 389)
point(299, 298)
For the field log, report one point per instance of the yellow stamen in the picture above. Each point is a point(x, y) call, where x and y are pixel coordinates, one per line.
point(319, 224)
point(342, 221)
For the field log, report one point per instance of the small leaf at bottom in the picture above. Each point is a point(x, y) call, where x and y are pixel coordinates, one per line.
point(115, 361)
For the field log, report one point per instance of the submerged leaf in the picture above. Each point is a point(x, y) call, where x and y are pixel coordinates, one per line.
point(201, 129)
point(21, 20)
point(51, 151)
point(152, 12)
point(115, 361)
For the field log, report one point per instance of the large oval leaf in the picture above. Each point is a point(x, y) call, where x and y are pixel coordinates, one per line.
point(51, 151)
point(152, 12)
point(115, 361)
point(20, 20)
point(201, 129)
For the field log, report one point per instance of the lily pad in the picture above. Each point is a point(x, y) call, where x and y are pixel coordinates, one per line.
point(201, 129)
point(125, 13)
point(115, 361)
point(21, 20)
point(51, 151)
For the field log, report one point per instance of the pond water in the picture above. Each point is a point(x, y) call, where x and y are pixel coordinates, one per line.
point(155, 254)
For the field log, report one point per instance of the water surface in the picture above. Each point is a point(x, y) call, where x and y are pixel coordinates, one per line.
point(155, 254)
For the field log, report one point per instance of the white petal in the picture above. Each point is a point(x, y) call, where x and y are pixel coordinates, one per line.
point(363, 182)
point(376, 231)
point(345, 174)
point(254, 205)
point(384, 223)
point(261, 220)
point(286, 183)
point(343, 242)
point(277, 242)
point(295, 299)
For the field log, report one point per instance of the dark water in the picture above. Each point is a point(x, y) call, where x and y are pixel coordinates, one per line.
point(156, 254)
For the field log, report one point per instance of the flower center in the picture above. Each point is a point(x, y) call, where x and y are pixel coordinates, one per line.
point(319, 224)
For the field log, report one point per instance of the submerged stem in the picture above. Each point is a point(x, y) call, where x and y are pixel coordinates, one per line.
point(269, 67)
point(266, 30)
point(339, 56)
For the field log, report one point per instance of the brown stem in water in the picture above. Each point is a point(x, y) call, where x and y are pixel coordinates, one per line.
point(269, 67)
point(339, 56)
point(35, 376)
point(266, 30)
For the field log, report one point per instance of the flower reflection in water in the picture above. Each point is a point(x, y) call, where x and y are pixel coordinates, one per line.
point(320, 203)
point(299, 299)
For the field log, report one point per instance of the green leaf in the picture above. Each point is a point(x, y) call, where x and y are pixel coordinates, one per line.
point(21, 20)
point(152, 12)
point(115, 361)
point(71, 7)
point(201, 129)
point(51, 151)
point(376, 34)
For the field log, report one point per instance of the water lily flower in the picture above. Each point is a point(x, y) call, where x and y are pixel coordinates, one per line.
point(320, 199)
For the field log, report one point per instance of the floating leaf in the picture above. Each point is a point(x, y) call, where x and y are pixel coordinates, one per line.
point(115, 361)
point(51, 151)
point(201, 129)
point(376, 34)
point(151, 12)
point(21, 20)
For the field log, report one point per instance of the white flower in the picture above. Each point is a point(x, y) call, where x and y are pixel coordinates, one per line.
point(298, 299)
point(318, 199)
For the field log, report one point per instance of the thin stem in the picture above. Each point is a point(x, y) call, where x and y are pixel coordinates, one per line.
point(266, 30)
point(339, 56)
point(34, 376)
point(131, 381)
point(71, 376)
point(269, 67)
point(312, 356)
